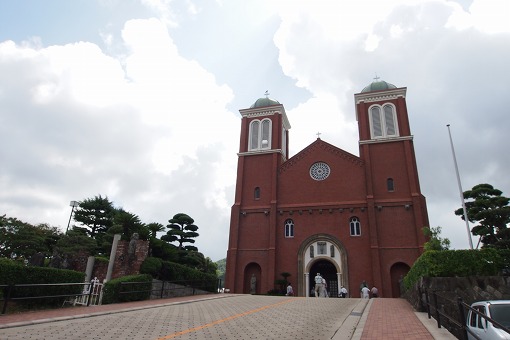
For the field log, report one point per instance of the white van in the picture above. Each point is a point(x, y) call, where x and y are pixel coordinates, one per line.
point(498, 310)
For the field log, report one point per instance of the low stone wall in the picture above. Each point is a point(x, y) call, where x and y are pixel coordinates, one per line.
point(470, 289)
point(449, 289)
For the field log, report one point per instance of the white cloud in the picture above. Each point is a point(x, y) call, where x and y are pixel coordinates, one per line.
point(86, 123)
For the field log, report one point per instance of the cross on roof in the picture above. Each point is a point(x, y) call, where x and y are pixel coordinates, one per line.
point(319, 135)
point(376, 78)
point(266, 93)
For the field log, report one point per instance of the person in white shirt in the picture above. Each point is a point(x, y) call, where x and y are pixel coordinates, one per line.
point(343, 292)
point(365, 293)
point(290, 291)
point(318, 284)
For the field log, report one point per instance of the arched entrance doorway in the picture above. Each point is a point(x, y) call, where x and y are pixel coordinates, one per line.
point(328, 271)
point(250, 271)
point(397, 272)
point(325, 254)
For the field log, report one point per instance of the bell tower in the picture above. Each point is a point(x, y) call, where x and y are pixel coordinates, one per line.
point(263, 147)
point(397, 208)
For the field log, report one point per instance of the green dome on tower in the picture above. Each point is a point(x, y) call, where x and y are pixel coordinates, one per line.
point(264, 101)
point(378, 85)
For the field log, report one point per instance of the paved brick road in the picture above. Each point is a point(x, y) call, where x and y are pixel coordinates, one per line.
point(231, 317)
point(228, 316)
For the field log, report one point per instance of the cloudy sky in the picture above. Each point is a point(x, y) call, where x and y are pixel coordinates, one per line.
point(139, 100)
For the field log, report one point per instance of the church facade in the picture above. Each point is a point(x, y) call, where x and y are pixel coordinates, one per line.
point(324, 210)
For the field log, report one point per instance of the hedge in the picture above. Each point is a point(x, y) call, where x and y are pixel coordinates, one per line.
point(171, 271)
point(151, 266)
point(450, 263)
point(13, 273)
point(141, 287)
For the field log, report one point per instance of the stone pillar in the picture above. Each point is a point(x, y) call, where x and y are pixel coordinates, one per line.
point(116, 239)
point(307, 285)
point(89, 269)
point(339, 282)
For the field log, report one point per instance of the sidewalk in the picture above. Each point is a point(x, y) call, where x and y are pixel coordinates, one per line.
point(396, 319)
point(74, 312)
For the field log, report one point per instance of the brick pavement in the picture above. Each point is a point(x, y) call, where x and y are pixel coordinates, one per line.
point(393, 319)
point(70, 312)
point(382, 319)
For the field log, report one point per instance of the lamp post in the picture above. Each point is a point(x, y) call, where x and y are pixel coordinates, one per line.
point(73, 204)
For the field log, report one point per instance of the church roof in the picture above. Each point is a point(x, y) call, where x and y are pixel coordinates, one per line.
point(265, 101)
point(378, 85)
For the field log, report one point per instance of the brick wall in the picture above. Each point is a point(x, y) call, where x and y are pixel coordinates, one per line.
point(125, 263)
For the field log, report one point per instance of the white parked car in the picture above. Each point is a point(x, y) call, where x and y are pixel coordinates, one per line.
point(498, 310)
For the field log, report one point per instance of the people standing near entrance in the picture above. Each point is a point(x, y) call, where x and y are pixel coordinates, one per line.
point(365, 293)
point(324, 292)
point(318, 284)
point(290, 291)
point(361, 286)
point(375, 292)
point(343, 292)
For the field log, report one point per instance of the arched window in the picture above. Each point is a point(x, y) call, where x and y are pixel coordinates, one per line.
point(256, 193)
point(289, 228)
point(266, 134)
point(383, 121)
point(355, 226)
point(260, 134)
point(390, 184)
point(254, 135)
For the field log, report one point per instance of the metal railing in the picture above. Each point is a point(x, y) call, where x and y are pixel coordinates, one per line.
point(451, 314)
point(91, 292)
point(24, 292)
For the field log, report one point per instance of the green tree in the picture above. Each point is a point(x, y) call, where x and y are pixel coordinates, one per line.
point(22, 239)
point(154, 228)
point(222, 268)
point(76, 241)
point(197, 260)
point(127, 224)
point(435, 242)
point(491, 212)
point(183, 231)
point(164, 250)
point(96, 214)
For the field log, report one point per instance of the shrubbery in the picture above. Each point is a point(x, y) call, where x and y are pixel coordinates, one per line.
point(170, 271)
point(151, 266)
point(132, 292)
point(14, 273)
point(448, 263)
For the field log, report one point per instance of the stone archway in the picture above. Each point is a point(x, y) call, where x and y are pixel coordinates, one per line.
point(397, 272)
point(322, 253)
point(252, 269)
point(329, 272)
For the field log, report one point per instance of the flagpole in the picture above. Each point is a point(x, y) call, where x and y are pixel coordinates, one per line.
point(460, 189)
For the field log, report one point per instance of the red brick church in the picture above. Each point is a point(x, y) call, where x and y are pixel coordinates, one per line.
point(325, 210)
